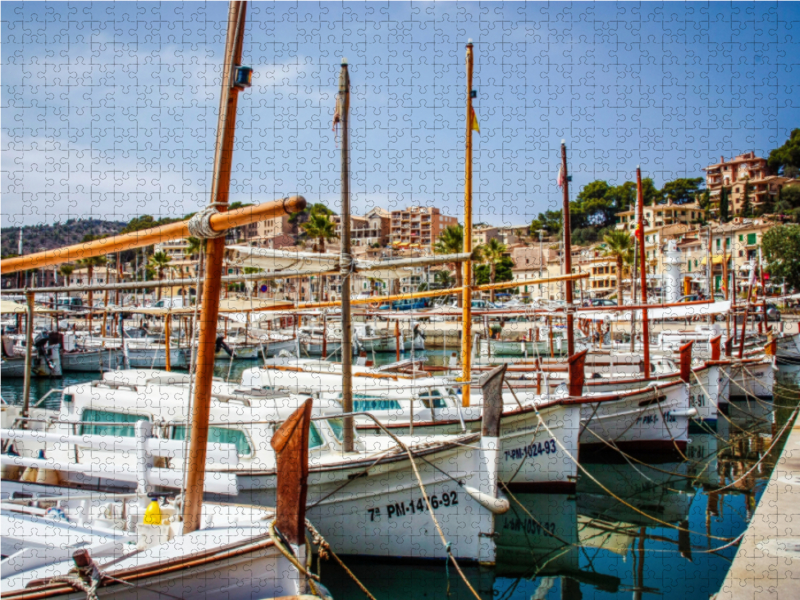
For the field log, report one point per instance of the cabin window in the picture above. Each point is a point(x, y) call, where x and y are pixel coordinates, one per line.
point(314, 437)
point(220, 435)
point(368, 405)
point(103, 417)
point(338, 428)
point(432, 399)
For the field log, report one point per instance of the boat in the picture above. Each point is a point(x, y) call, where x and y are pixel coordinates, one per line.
point(371, 338)
point(59, 541)
point(45, 358)
point(343, 489)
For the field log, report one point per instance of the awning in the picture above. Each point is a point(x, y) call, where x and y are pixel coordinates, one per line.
point(279, 260)
point(306, 262)
point(15, 308)
point(715, 260)
point(673, 312)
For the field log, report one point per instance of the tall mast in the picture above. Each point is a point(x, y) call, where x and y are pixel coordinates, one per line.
point(643, 271)
point(466, 298)
point(345, 261)
point(215, 250)
point(567, 252)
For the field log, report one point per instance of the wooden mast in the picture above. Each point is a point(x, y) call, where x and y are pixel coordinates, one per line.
point(345, 261)
point(215, 249)
point(567, 252)
point(466, 292)
point(643, 271)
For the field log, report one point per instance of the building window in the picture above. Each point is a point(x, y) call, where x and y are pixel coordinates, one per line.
point(751, 239)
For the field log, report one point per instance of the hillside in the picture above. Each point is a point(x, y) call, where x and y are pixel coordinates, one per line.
point(37, 237)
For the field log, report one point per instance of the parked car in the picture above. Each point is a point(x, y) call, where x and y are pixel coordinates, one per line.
point(603, 302)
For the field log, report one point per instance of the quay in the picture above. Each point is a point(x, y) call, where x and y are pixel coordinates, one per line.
point(767, 563)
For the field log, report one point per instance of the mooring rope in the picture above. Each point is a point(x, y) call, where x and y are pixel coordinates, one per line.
point(620, 500)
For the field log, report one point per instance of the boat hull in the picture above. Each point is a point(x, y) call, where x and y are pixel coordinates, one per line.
point(156, 358)
point(651, 421)
point(532, 459)
point(384, 514)
point(91, 360)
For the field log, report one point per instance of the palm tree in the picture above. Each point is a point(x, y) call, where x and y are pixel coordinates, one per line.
point(619, 246)
point(321, 229)
point(66, 271)
point(451, 241)
point(443, 278)
point(196, 248)
point(90, 263)
point(492, 253)
point(158, 262)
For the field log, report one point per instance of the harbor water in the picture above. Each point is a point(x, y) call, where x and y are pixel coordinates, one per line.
point(664, 526)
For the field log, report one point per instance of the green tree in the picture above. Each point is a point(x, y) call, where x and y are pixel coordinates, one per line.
point(747, 208)
point(90, 262)
point(451, 241)
point(682, 191)
point(787, 155)
point(781, 246)
point(66, 270)
point(619, 246)
point(321, 229)
point(790, 195)
point(549, 221)
point(491, 254)
point(503, 271)
point(724, 206)
point(298, 218)
point(443, 278)
point(159, 262)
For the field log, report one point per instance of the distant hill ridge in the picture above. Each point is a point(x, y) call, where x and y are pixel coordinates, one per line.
point(38, 237)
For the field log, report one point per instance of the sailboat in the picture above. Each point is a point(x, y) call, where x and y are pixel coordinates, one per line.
point(59, 541)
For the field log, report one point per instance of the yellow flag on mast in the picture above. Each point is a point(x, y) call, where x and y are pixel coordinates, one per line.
point(475, 126)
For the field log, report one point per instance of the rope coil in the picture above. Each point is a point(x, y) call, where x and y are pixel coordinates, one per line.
point(200, 224)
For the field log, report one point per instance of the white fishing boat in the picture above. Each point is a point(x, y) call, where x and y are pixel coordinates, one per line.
point(45, 358)
point(459, 473)
point(371, 338)
point(59, 541)
point(531, 457)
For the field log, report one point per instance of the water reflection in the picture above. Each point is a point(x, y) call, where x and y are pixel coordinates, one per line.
point(662, 528)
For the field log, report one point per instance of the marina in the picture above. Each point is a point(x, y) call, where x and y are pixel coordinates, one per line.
point(309, 413)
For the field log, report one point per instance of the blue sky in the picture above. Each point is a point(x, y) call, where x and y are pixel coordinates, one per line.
point(109, 110)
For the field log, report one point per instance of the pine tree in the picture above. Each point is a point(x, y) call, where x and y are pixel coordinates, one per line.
point(723, 205)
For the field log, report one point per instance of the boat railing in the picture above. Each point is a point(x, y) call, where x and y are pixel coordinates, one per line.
point(41, 401)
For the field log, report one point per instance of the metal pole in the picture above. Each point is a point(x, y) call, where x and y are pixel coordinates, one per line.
point(211, 286)
point(26, 393)
point(167, 335)
point(634, 268)
point(346, 260)
point(567, 253)
point(643, 270)
point(763, 286)
point(466, 297)
point(747, 307)
point(710, 275)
